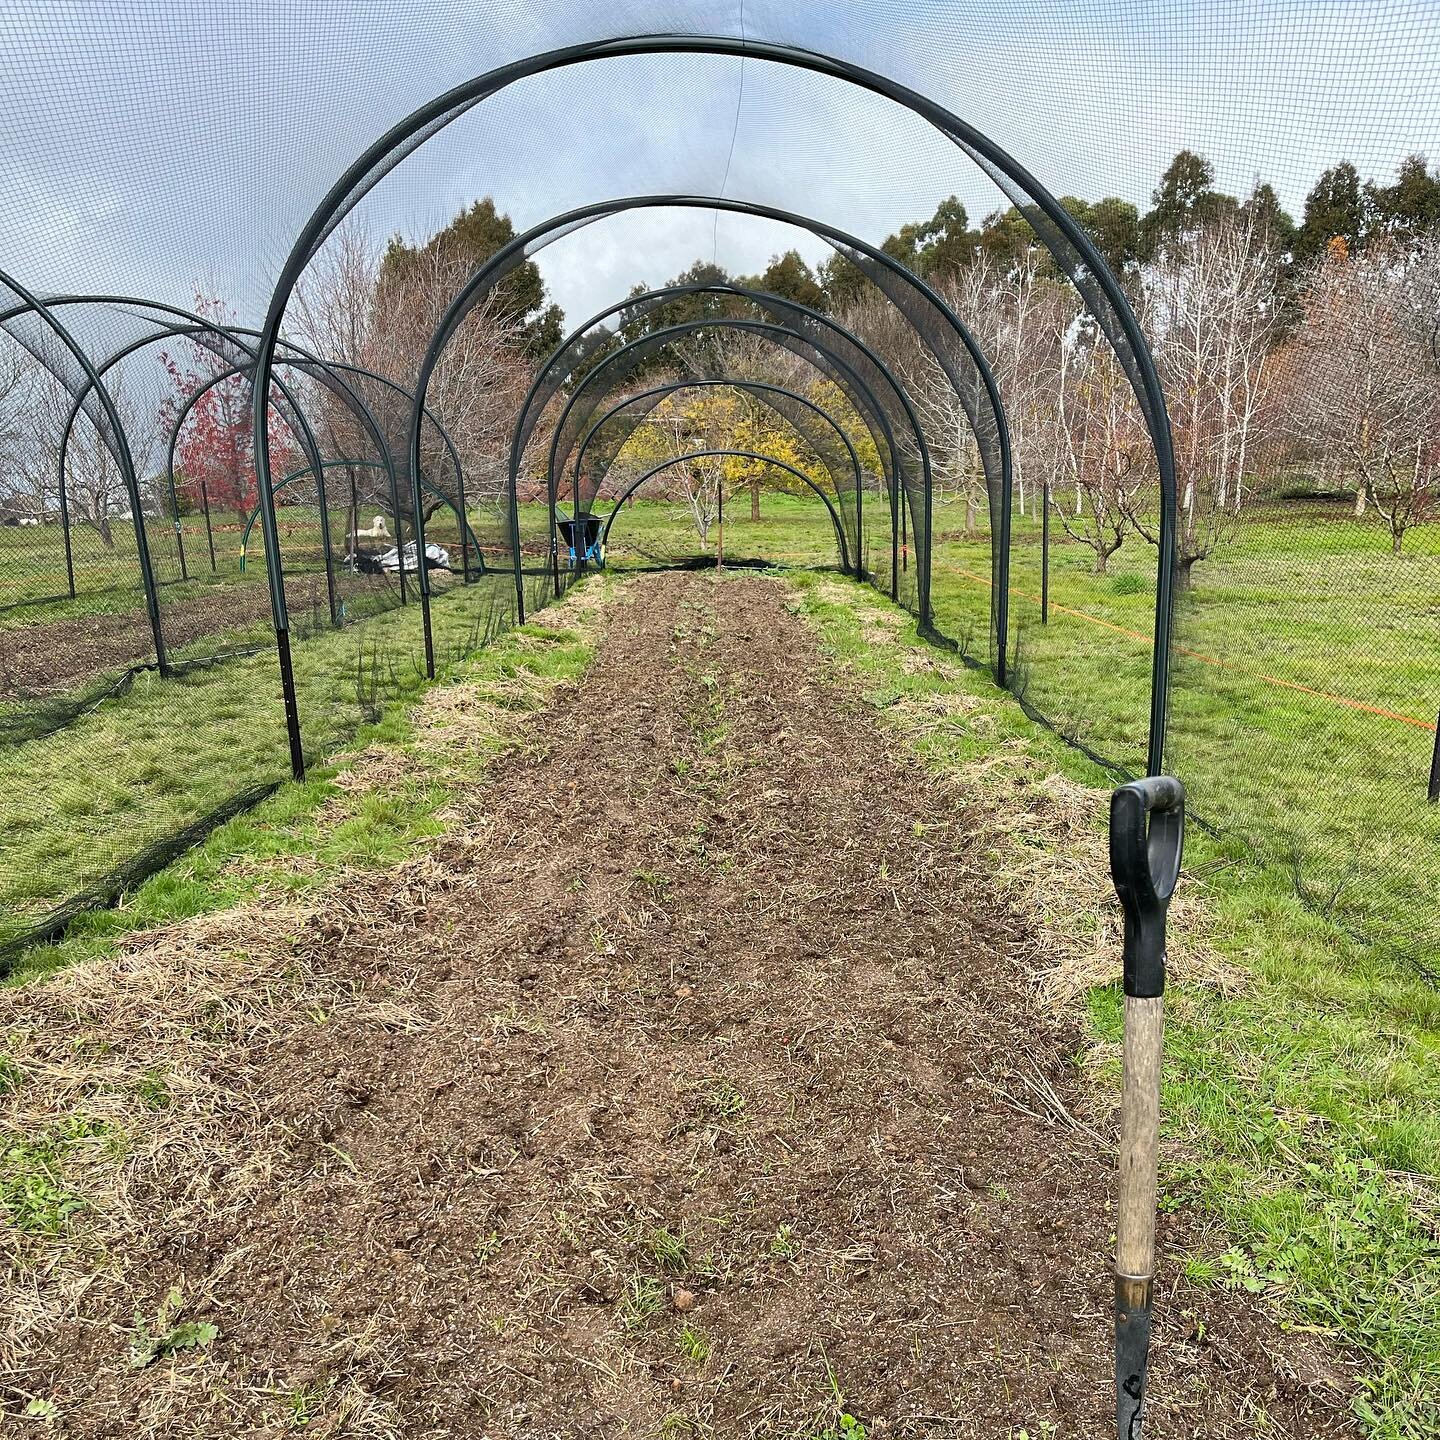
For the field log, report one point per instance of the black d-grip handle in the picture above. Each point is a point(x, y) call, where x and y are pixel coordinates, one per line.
point(1147, 836)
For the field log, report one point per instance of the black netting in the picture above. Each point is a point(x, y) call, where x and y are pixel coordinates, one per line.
point(997, 393)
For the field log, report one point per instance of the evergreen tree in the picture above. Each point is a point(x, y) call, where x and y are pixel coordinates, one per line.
point(1184, 200)
point(789, 277)
point(466, 243)
point(1411, 206)
point(1114, 226)
point(1334, 208)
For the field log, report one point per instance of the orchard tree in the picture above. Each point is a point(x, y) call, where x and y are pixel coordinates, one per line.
point(1365, 377)
point(1210, 306)
point(95, 490)
point(213, 452)
point(215, 455)
point(717, 418)
point(1100, 446)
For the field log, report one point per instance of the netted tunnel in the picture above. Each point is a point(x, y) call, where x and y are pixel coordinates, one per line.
point(344, 345)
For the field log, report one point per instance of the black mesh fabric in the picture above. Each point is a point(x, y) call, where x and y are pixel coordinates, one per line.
point(164, 158)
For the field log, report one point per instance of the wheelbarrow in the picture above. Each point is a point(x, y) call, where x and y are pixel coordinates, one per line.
point(582, 537)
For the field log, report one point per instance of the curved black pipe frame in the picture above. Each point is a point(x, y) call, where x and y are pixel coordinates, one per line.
point(1057, 230)
point(664, 465)
point(759, 387)
point(781, 334)
point(277, 591)
point(291, 478)
point(354, 401)
point(849, 381)
point(651, 299)
point(185, 322)
point(295, 419)
point(357, 406)
point(116, 443)
point(347, 463)
point(178, 322)
point(862, 397)
point(762, 300)
point(543, 234)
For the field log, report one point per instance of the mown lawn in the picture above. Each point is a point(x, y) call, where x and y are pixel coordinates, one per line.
point(1323, 787)
point(76, 804)
point(1328, 791)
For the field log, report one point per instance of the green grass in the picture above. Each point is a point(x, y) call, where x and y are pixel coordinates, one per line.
point(34, 586)
point(34, 1197)
point(75, 804)
point(1302, 1113)
point(378, 831)
point(1333, 794)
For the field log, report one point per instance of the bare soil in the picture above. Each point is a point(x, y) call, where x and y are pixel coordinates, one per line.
point(720, 1095)
point(59, 655)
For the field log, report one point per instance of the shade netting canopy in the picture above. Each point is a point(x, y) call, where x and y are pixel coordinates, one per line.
point(241, 212)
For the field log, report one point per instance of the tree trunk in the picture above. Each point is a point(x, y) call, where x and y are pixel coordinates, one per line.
point(1102, 562)
point(1397, 538)
point(1185, 573)
point(755, 498)
point(1360, 502)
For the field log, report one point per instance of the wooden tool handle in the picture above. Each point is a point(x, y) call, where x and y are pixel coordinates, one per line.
point(1139, 1138)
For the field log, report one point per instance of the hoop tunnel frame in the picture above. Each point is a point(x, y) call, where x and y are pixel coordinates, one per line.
point(387, 151)
point(659, 338)
point(739, 454)
point(723, 382)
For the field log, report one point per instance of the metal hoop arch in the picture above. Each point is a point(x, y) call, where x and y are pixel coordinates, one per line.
point(739, 454)
point(706, 383)
point(386, 152)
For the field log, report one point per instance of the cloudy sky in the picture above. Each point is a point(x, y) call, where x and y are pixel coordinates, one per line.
point(153, 148)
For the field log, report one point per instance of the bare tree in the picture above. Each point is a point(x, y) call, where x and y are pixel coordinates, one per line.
point(957, 471)
point(19, 493)
point(477, 386)
point(673, 434)
point(1365, 376)
point(1100, 447)
point(1019, 315)
point(95, 491)
point(332, 310)
point(1209, 303)
point(349, 307)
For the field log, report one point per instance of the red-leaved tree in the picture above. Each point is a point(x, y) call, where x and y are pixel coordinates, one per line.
point(215, 456)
